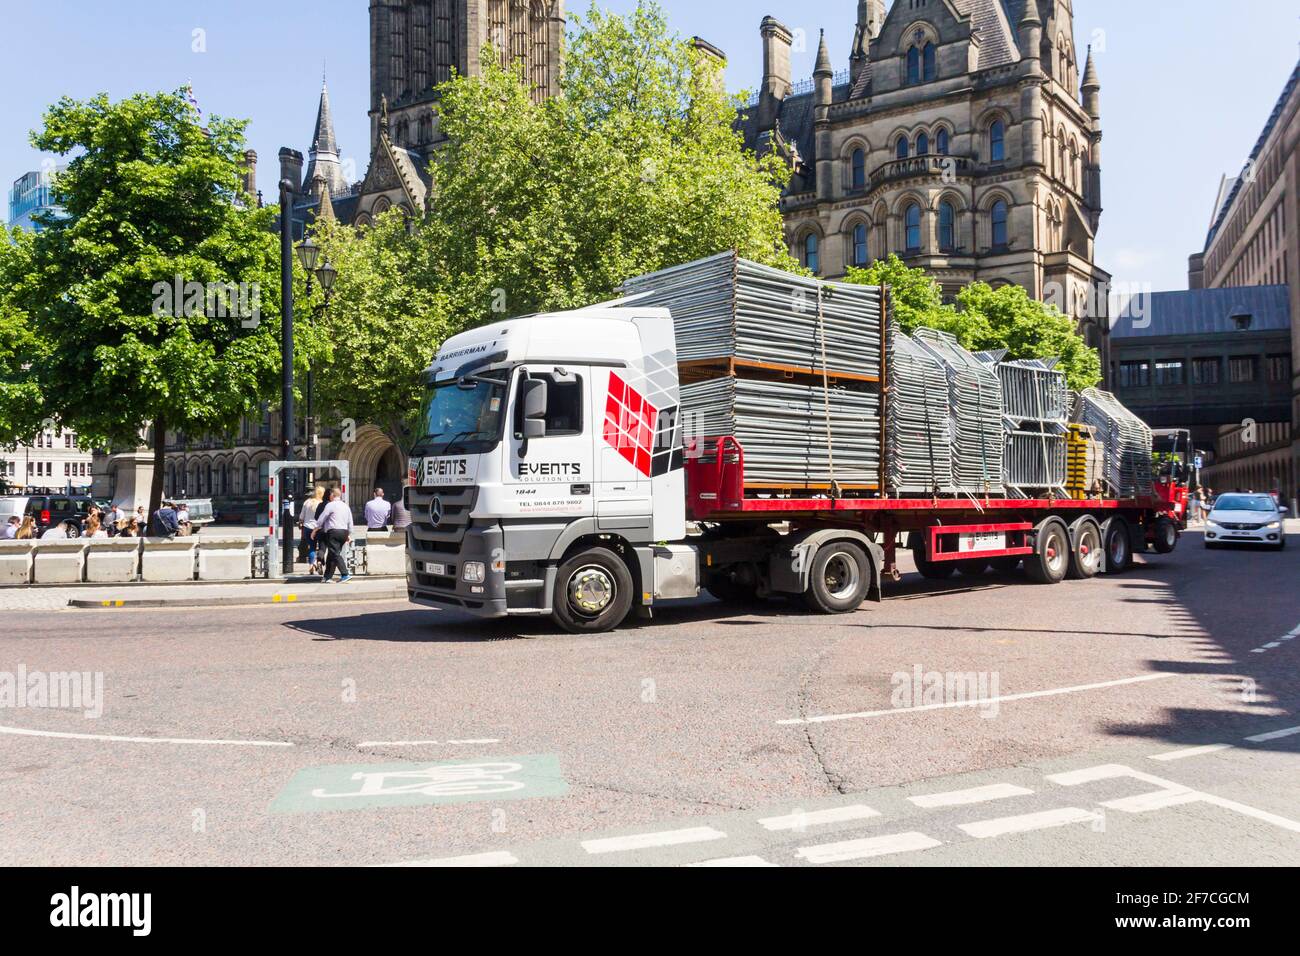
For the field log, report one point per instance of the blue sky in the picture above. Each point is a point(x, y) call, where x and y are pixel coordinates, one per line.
point(1186, 85)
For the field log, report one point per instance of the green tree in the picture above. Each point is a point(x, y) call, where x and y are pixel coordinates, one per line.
point(21, 405)
point(150, 199)
point(552, 205)
point(985, 318)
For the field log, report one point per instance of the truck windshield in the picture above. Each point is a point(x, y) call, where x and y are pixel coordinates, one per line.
point(462, 417)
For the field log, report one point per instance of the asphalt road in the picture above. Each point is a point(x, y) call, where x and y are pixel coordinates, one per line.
point(977, 721)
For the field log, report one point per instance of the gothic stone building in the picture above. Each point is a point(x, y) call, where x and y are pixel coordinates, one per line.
point(956, 138)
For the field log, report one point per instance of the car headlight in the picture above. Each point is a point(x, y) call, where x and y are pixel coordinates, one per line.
point(1211, 523)
point(473, 572)
point(1273, 525)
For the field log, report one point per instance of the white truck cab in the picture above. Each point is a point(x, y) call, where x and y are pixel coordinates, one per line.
point(550, 469)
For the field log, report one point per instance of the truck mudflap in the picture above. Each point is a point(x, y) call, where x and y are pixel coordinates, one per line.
point(789, 567)
point(441, 579)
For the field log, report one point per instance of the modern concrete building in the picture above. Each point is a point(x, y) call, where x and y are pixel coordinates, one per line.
point(53, 462)
point(1216, 361)
point(1253, 240)
point(30, 196)
point(961, 137)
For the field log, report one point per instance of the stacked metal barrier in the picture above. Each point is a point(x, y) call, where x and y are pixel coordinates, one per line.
point(1036, 412)
point(918, 432)
point(790, 435)
point(727, 307)
point(975, 412)
point(1126, 442)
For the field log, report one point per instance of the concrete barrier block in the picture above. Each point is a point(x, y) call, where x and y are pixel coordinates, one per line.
point(59, 561)
point(115, 561)
point(168, 559)
point(16, 562)
point(225, 559)
point(386, 552)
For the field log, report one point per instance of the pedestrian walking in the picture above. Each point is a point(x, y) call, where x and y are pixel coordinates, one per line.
point(335, 523)
point(377, 511)
point(307, 545)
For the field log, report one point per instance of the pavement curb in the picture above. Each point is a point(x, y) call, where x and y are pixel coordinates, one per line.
point(284, 597)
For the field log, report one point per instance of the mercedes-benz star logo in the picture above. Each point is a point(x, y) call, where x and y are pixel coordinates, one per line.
point(435, 511)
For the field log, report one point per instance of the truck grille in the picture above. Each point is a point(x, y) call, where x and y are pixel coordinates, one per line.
point(457, 502)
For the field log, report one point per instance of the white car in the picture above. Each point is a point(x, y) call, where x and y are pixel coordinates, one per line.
point(1246, 519)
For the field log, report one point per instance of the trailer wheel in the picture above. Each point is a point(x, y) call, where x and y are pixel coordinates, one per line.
point(593, 592)
point(1051, 558)
point(1085, 555)
point(1166, 535)
point(838, 579)
point(1119, 546)
point(930, 570)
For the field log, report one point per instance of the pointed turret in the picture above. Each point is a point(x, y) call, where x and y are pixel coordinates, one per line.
point(1091, 88)
point(324, 154)
point(823, 74)
point(871, 17)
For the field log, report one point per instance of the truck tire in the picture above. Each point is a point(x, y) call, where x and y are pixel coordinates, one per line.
point(1118, 544)
point(593, 592)
point(1085, 553)
point(930, 570)
point(1166, 535)
point(839, 579)
point(1051, 558)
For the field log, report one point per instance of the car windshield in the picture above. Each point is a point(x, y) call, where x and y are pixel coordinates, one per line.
point(463, 416)
point(1244, 503)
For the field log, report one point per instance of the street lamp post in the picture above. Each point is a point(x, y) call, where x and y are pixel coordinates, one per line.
point(286, 357)
point(325, 273)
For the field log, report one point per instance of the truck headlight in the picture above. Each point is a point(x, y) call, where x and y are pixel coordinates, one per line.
point(473, 572)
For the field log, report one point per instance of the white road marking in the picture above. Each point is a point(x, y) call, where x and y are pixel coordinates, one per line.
point(869, 847)
point(424, 743)
point(1289, 635)
point(812, 818)
point(1169, 794)
point(645, 841)
point(958, 798)
point(496, 858)
point(111, 738)
point(1005, 698)
point(1190, 752)
point(735, 861)
point(1274, 735)
point(1043, 820)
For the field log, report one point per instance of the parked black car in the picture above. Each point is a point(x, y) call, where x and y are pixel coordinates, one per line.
point(48, 510)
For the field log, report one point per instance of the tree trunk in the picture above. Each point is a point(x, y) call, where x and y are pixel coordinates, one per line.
point(159, 465)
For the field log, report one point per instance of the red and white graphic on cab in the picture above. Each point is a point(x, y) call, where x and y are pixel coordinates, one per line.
point(630, 423)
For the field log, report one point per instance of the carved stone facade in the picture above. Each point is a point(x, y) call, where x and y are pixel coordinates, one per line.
point(961, 137)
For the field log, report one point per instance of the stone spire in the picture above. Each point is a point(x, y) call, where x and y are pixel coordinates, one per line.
point(823, 74)
point(1030, 32)
point(324, 153)
point(1091, 88)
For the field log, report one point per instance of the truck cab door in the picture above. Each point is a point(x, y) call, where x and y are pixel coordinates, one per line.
point(625, 451)
point(551, 476)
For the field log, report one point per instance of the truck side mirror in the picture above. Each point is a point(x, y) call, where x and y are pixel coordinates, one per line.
point(531, 412)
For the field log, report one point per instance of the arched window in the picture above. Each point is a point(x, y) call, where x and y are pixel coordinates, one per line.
point(861, 253)
point(998, 218)
point(941, 142)
point(922, 144)
point(913, 66)
point(859, 169)
point(811, 254)
point(912, 226)
point(947, 227)
point(900, 148)
point(997, 141)
point(927, 62)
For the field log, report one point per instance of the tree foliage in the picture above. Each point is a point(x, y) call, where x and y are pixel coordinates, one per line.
point(149, 196)
point(986, 318)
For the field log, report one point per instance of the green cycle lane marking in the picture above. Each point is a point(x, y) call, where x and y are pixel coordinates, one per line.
point(362, 786)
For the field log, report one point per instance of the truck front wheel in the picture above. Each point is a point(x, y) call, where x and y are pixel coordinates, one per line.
point(593, 592)
point(839, 579)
